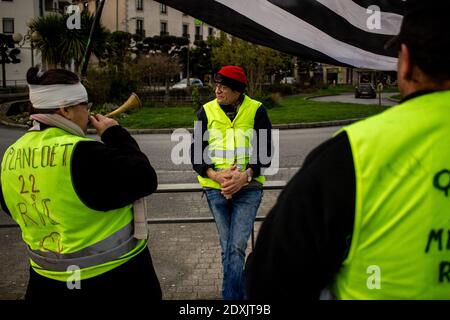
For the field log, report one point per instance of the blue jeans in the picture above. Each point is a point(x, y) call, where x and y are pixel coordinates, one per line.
point(234, 220)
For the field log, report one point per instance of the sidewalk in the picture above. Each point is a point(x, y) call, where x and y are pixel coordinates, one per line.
point(186, 256)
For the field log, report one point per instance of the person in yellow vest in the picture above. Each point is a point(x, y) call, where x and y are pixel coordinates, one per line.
point(73, 196)
point(368, 214)
point(232, 145)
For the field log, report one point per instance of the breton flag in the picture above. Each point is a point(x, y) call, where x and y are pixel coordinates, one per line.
point(338, 32)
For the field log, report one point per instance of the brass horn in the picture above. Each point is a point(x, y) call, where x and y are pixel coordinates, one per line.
point(132, 102)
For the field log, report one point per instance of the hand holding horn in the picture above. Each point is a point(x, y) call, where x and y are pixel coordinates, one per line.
point(101, 123)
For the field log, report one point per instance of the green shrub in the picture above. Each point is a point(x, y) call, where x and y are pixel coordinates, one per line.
point(282, 88)
point(108, 85)
point(269, 101)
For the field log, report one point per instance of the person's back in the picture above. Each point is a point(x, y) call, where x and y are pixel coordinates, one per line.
point(65, 190)
point(367, 216)
point(401, 216)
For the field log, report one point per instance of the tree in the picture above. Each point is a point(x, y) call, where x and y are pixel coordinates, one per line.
point(59, 46)
point(118, 50)
point(158, 66)
point(257, 61)
point(307, 68)
point(199, 59)
point(49, 41)
point(115, 78)
point(160, 56)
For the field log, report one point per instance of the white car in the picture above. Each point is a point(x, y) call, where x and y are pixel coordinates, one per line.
point(288, 80)
point(194, 82)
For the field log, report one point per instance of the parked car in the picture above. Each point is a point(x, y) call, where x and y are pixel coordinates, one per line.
point(288, 80)
point(365, 90)
point(194, 82)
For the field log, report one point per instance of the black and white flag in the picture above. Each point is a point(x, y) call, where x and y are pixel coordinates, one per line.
point(339, 32)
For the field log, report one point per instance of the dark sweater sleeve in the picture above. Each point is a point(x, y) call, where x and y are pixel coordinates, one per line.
point(199, 163)
point(111, 174)
point(306, 236)
point(262, 142)
point(3, 203)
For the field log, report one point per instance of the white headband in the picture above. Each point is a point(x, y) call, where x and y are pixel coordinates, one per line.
point(57, 95)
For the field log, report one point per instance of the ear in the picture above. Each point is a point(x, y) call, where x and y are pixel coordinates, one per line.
point(405, 67)
point(64, 112)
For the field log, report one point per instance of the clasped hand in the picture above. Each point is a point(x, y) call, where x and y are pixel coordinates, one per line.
point(231, 180)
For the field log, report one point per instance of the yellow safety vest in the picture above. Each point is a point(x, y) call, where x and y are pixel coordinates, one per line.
point(230, 141)
point(58, 228)
point(400, 247)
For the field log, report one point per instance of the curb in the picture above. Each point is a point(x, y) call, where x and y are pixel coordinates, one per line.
point(394, 100)
point(12, 124)
point(322, 95)
point(306, 125)
point(322, 124)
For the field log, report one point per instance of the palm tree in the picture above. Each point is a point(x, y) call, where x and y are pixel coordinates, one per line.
point(48, 41)
point(59, 45)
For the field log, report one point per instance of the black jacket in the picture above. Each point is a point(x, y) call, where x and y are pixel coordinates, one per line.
point(306, 236)
point(261, 122)
point(111, 174)
point(107, 176)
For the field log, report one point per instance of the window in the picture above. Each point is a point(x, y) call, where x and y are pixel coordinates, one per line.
point(163, 8)
point(49, 5)
point(140, 5)
point(185, 31)
point(8, 25)
point(210, 32)
point(198, 35)
point(63, 5)
point(164, 29)
point(140, 27)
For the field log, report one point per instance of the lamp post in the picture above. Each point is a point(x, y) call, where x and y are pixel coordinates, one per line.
point(187, 65)
point(31, 36)
point(7, 42)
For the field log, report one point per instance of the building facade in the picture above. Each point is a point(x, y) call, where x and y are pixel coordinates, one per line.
point(15, 15)
point(150, 18)
point(146, 17)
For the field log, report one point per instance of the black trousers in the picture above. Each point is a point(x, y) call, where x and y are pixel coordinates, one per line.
point(134, 280)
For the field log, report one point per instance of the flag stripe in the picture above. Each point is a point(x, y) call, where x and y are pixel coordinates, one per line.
point(304, 28)
point(358, 16)
point(265, 13)
point(321, 17)
point(235, 23)
point(394, 6)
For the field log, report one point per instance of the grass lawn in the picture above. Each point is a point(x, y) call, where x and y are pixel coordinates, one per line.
point(172, 117)
point(294, 109)
point(297, 109)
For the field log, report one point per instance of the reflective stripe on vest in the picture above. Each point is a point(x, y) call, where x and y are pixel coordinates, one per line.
point(230, 141)
point(109, 249)
point(400, 242)
point(230, 154)
point(54, 221)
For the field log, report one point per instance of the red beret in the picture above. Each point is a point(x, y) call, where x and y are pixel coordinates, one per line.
point(234, 72)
